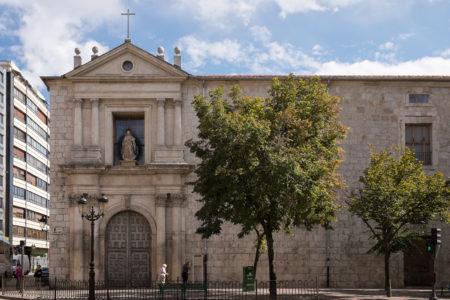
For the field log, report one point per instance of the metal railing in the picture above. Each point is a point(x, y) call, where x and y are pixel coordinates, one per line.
point(32, 288)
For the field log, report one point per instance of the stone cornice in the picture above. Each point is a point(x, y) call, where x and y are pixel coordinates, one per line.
point(154, 168)
point(170, 200)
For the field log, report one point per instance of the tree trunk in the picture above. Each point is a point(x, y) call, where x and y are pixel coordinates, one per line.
point(271, 254)
point(259, 240)
point(387, 278)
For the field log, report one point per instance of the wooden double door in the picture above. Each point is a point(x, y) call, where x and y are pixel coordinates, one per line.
point(128, 240)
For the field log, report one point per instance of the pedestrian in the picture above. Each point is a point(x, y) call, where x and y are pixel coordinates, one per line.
point(185, 272)
point(38, 274)
point(163, 274)
point(19, 277)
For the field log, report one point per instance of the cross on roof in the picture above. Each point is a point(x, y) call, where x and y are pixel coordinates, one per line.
point(128, 14)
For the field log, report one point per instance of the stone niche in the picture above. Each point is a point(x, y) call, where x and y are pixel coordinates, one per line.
point(135, 122)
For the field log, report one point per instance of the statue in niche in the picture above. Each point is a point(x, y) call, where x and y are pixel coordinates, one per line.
point(129, 147)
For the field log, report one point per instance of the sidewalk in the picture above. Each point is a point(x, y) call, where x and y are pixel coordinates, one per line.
point(397, 294)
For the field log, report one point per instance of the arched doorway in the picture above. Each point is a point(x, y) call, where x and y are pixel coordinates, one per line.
point(128, 240)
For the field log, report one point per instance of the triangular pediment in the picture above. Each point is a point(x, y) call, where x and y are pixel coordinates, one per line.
point(143, 65)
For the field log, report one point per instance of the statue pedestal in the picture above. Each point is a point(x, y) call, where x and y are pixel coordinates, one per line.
point(127, 163)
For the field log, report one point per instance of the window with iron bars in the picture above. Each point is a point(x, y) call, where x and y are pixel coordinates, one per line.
point(418, 139)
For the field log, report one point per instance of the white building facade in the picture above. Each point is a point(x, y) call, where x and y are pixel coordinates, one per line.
point(27, 165)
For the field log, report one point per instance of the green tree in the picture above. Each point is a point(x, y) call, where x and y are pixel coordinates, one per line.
point(395, 200)
point(268, 163)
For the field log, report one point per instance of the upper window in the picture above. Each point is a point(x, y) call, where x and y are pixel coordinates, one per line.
point(418, 98)
point(418, 138)
point(127, 65)
point(20, 96)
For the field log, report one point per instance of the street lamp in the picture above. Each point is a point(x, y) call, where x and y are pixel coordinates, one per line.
point(92, 215)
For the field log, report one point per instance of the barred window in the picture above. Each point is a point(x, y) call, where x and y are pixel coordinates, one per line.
point(418, 98)
point(418, 138)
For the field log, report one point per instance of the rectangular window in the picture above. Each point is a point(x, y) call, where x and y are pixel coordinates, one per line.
point(418, 138)
point(18, 212)
point(36, 199)
point(19, 173)
point(38, 129)
point(18, 192)
point(36, 163)
point(19, 115)
point(18, 231)
point(37, 146)
point(42, 116)
point(31, 179)
point(19, 154)
point(418, 98)
point(31, 105)
point(20, 135)
point(42, 184)
point(20, 96)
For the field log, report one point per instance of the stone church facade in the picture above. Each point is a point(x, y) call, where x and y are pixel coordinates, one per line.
point(149, 219)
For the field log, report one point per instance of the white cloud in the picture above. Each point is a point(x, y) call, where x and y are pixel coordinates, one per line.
point(421, 66)
point(50, 30)
point(388, 46)
point(261, 33)
point(200, 51)
point(406, 35)
point(288, 7)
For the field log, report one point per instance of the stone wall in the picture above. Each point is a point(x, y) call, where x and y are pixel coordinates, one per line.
point(375, 112)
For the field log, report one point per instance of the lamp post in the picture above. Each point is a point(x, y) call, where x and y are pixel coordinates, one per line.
point(92, 215)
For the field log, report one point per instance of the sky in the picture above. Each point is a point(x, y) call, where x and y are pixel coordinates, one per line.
point(333, 37)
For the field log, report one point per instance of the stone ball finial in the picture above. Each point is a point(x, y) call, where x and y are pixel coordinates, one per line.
point(77, 51)
point(95, 49)
point(177, 50)
point(160, 50)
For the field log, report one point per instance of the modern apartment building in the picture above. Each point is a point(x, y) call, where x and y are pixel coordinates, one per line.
point(24, 147)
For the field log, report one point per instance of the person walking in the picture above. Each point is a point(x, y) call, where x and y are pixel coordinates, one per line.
point(185, 272)
point(38, 274)
point(163, 274)
point(19, 277)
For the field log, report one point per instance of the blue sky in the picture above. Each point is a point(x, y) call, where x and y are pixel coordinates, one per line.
point(391, 37)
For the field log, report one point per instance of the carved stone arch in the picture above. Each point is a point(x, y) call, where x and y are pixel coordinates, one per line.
point(112, 211)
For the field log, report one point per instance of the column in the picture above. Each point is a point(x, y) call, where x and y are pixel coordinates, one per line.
point(177, 129)
point(77, 122)
point(161, 232)
point(175, 254)
point(161, 121)
point(94, 120)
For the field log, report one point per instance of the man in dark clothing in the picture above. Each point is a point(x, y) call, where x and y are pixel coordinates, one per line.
point(185, 272)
